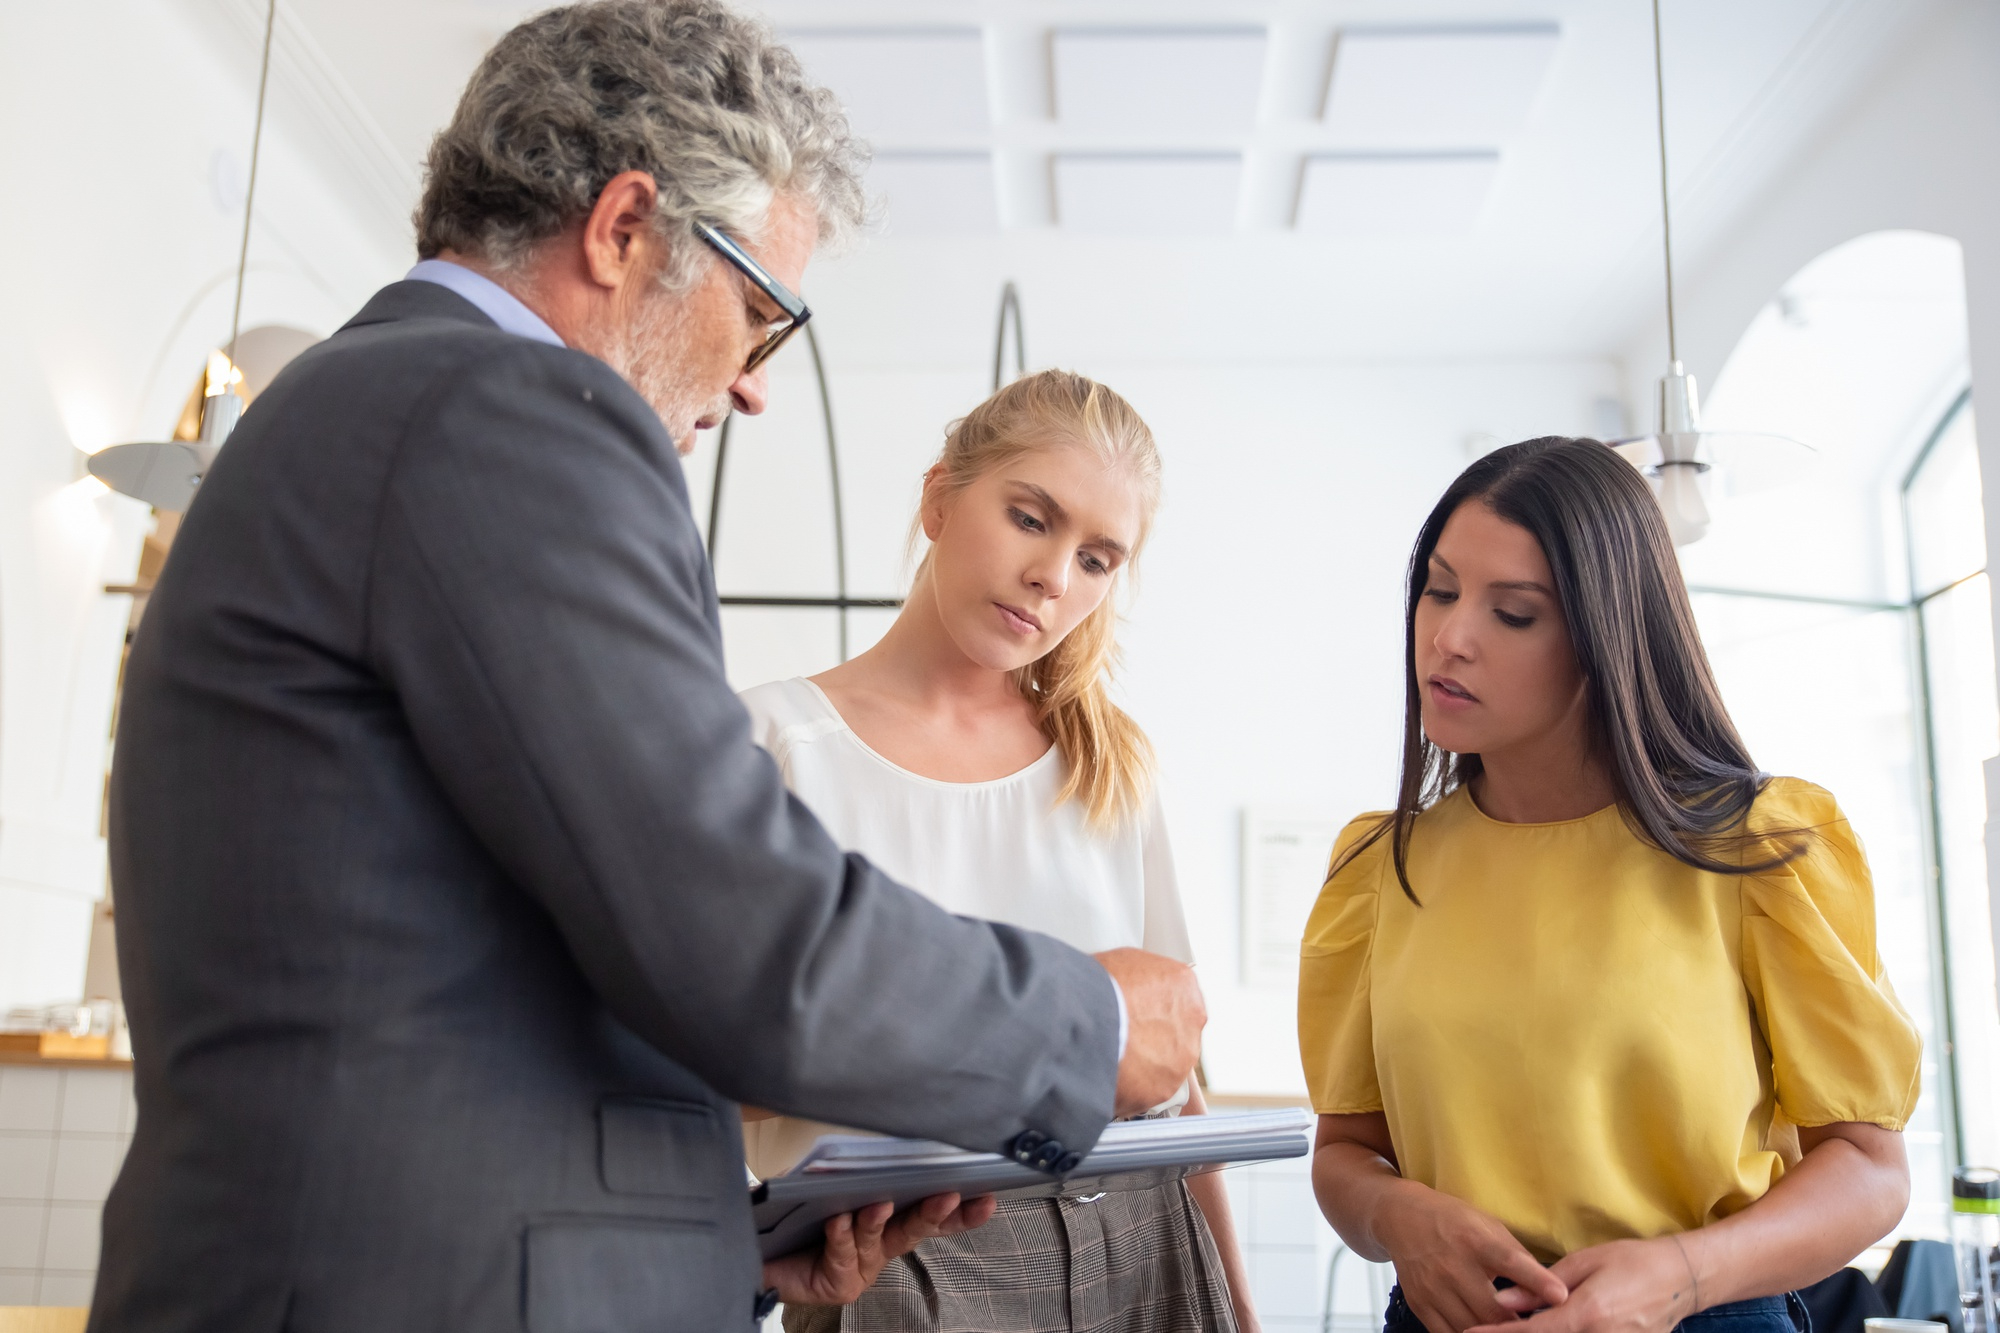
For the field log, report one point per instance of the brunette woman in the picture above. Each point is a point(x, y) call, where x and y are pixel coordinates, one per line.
point(1594, 1018)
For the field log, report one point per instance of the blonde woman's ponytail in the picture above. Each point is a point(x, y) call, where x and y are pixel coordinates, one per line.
point(1109, 758)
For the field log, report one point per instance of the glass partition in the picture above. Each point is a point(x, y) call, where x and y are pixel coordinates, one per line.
point(1945, 523)
point(1828, 692)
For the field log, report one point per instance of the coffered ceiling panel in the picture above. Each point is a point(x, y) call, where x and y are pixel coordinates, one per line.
point(902, 87)
point(1146, 194)
point(1440, 87)
point(1160, 82)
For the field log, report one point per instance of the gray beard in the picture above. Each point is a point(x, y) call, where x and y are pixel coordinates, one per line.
point(650, 354)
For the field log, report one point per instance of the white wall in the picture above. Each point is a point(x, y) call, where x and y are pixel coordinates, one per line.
point(120, 261)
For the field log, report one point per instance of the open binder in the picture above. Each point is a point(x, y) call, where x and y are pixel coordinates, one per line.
point(845, 1172)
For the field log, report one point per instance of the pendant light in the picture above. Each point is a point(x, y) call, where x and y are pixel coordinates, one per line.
point(1677, 455)
point(165, 473)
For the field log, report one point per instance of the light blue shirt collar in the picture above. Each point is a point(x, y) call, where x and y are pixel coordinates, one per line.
point(494, 301)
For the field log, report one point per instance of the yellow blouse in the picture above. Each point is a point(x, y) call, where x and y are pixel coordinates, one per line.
point(1588, 1039)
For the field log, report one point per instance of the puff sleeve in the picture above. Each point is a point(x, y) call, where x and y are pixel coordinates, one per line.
point(1336, 1022)
point(1842, 1049)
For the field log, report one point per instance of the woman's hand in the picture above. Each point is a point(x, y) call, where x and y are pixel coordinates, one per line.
point(1625, 1286)
point(859, 1246)
point(1447, 1254)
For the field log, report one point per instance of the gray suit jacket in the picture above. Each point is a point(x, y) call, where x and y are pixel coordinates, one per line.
point(455, 906)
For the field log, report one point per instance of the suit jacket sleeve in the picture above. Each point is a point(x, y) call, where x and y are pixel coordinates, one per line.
point(541, 603)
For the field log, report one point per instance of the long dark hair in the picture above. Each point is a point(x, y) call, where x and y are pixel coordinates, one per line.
point(1684, 779)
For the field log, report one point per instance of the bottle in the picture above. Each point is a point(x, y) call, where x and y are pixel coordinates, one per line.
point(1975, 1238)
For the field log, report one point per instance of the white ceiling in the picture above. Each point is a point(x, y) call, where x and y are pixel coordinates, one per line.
point(1379, 195)
point(1147, 194)
point(904, 87)
point(1440, 87)
point(1148, 216)
point(1186, 84)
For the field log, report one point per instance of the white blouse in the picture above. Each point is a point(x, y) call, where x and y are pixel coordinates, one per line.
point(1002, 850)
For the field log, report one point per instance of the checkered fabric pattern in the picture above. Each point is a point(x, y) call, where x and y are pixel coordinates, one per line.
point(1135, 1262)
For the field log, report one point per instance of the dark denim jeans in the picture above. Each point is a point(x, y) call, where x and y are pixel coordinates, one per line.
point(1765, 1314)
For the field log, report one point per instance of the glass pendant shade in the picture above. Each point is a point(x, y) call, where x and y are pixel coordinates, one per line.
point(1683, 460)
point(165, 473)
point(1670, 457)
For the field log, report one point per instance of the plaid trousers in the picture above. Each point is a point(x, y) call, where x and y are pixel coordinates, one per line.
point(1135, 1262)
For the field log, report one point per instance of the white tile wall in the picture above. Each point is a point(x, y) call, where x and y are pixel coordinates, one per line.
point(72, 1237)
point(63, 1136)
point(21, 1230)
point(26, 1161)
point(30, 1104)
point(86, 1166)
point(93, 1100)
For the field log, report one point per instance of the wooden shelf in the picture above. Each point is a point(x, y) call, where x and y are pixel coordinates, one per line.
point(59, 1050)
point(1257, 1100)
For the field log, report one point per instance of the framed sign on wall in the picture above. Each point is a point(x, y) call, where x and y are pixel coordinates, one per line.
point(1285, 853)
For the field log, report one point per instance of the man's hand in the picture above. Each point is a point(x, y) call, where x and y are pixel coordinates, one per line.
point(1164, 1008)
point(860, 1245)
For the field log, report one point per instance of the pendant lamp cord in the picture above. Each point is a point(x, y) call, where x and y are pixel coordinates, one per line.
point(1666, 209)
point(250, 190)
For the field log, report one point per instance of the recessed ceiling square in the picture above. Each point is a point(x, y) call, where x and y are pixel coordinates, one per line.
point(1436, 87)
point(935, 194)
point(1389, 194)
point(914, 87)
point(1160, 82)
point(1144, 194)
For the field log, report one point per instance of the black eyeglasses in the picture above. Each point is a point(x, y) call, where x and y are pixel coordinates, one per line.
point(796, 313)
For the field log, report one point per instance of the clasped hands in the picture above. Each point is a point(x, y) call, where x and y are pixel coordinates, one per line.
point(1165, 1015)
point(1447, 1255)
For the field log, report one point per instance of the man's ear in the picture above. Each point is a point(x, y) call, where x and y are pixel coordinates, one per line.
point(618, 236)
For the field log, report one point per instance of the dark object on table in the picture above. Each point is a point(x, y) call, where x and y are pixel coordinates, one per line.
point(1920, 1281)
point(1840, 1304)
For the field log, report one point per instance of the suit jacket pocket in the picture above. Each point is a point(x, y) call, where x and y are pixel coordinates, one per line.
point(653, 1147)
point(630, 1275)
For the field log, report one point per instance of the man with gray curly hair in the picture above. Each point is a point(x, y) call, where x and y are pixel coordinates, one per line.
point(674, 128)
point(457, 911)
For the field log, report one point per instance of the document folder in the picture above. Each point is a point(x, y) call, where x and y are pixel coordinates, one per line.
point(846, 1172)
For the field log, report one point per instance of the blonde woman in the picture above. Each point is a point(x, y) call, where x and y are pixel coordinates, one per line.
point(975, 752)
